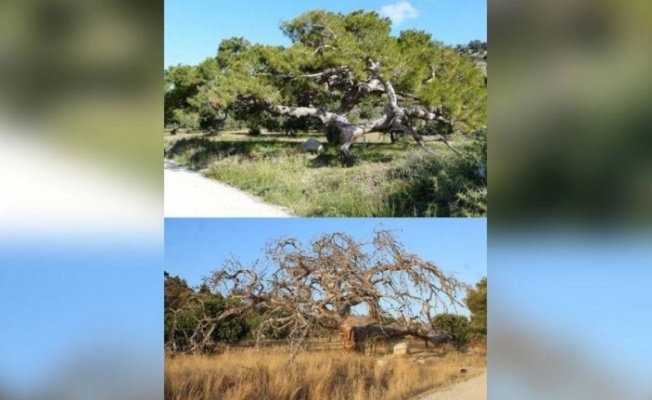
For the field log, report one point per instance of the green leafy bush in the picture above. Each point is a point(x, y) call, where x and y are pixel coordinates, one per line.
point(454, 186)
point(456, 325)
point(476, 301)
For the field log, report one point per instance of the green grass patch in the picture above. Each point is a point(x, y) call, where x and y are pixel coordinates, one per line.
point(391, 180)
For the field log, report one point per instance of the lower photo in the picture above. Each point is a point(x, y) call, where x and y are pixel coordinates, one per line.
point(325, 308)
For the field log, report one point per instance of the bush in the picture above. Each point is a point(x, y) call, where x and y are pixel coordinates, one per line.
point(211, 123)
point(186, 119)
point(476, 302)
point(292, 126)
point(454, 186)
point(185, 309)
point(457, 325)
point(254, 131)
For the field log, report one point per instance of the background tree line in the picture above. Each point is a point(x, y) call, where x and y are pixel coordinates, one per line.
point(187, 310)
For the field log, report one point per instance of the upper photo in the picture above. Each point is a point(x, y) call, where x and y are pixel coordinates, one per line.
point(313, 109)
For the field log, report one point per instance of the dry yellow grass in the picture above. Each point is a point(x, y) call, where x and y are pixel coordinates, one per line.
point(266, 374)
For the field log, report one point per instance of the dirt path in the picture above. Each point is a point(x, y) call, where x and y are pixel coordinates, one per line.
point(472, 389)
point(189, 194)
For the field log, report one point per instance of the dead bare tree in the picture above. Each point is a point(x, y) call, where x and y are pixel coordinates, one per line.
point(300, 288)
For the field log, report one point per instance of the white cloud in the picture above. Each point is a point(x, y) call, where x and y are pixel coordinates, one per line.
point(399, 12)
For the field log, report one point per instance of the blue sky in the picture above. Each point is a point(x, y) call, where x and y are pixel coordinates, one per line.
point(194, 29)
point(195, 247)
point(64, 304)
point(591, 291)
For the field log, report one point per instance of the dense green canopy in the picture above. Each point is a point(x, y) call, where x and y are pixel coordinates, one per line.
point(344, 70)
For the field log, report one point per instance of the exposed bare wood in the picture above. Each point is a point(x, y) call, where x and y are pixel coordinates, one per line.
point(300, 288)
point(395, 118)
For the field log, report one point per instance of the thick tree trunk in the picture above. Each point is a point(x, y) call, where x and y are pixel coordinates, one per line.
point(344, 133)
point(354, 338)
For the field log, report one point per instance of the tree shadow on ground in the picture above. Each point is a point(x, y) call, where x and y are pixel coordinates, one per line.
point(282, 135)
point(325, 160)
point(172, 166)
point(200, 152)
point(381, 153)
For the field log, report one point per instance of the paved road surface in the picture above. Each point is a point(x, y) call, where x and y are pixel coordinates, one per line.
point(189, 194)
point(472, 389)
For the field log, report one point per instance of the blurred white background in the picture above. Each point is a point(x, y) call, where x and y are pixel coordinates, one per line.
point(81, 204)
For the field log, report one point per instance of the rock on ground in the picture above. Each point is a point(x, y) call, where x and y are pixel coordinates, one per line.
point(401, 349)
point(312, 145)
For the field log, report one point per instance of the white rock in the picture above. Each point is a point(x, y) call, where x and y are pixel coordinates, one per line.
point(312, 145)
point(401, 349)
